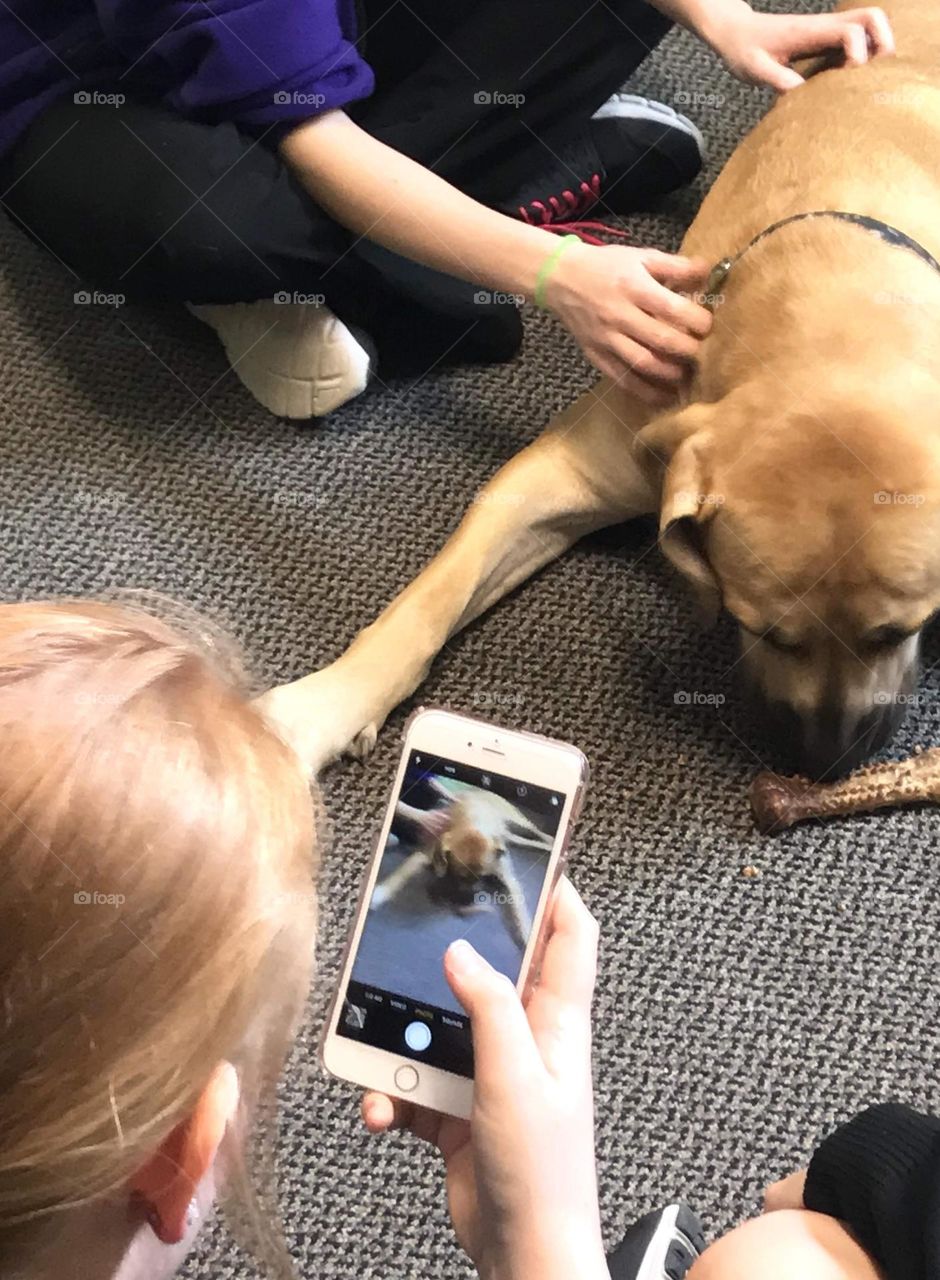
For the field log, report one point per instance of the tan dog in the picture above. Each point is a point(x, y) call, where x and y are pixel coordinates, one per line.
point(800, 486)
point(468, 842)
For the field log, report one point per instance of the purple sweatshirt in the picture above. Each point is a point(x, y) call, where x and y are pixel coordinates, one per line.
point(255, 62)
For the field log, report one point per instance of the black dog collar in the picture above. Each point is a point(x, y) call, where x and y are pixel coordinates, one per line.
point(891, 235)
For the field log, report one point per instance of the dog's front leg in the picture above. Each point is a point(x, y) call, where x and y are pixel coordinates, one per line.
point(399, 879)
point(514, 909)
point(575, 478)
point(529, 833)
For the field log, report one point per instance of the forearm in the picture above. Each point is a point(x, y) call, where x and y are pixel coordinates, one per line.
point(561, 1246)
point(376, 192)
point(704, 17)
point(556, 1262)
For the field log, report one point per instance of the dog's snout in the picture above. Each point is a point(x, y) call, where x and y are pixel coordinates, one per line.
point(830, 741)
point(836, 743)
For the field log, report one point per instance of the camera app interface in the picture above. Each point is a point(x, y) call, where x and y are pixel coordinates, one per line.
point(466, 857)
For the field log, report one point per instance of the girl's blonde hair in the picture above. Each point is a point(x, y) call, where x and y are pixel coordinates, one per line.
point(157, 913)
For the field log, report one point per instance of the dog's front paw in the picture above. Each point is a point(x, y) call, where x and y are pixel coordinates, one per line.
point(323, 716)
point(379, 896)
point(363, 743)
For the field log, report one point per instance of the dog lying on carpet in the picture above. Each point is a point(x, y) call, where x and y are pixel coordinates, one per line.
point(799, 486)
point(464, 845)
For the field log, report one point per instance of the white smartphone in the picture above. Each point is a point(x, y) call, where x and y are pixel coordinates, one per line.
point(473, 842)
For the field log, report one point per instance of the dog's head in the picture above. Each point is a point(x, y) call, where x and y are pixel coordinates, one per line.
point(467, 853)
point(819, 532)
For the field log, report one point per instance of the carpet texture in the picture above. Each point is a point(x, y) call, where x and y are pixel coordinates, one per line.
point(736, 1018)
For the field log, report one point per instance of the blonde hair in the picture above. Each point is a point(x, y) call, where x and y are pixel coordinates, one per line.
point(157, 913)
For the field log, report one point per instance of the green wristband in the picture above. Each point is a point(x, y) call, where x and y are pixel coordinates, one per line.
point(548, 266)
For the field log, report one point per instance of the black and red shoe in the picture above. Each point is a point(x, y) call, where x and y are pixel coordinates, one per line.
point(630, 153)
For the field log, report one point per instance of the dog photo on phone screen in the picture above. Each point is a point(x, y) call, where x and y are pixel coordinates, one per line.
point(463, 859)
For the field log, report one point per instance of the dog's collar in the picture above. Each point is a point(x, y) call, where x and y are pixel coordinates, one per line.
point(891, 235)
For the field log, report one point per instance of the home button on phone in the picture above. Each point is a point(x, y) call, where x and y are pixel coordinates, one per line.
point(406, 1079)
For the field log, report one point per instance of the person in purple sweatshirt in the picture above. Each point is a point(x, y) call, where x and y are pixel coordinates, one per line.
point(341, 187)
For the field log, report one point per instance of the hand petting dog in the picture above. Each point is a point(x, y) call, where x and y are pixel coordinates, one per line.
point(758, 48)
point(629, 322)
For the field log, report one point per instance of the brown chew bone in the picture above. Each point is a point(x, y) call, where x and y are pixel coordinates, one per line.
point(779, 802)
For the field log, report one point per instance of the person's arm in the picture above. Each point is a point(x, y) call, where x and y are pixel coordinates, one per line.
point(880, 1175)
point(521, 1177)
point(759, 47)
point(619, 303)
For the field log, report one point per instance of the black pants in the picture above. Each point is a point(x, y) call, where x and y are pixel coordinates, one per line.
point(142, 202)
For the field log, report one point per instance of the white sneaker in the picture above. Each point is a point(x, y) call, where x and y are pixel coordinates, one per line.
point(296, 359)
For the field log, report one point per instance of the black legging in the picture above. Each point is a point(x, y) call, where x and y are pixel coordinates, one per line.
point(142, 202)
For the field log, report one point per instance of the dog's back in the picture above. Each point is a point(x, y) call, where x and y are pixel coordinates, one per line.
point(862, 139)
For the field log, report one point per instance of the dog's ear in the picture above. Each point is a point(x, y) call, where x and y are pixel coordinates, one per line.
point(675, 451)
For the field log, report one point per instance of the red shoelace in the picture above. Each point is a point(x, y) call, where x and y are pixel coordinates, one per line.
point(560, 214)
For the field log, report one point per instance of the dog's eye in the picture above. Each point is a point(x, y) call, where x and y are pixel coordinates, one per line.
point(782, 643)
point(887, 638)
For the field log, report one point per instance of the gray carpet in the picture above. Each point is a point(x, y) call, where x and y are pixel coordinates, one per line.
point(736, 1018)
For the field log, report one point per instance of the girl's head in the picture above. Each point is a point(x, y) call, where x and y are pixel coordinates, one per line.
point(156, 929)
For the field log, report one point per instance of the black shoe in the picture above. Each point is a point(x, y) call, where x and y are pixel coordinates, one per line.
point(661, 1246)
point(647, 150)
point(568, 189)
point(631, 152)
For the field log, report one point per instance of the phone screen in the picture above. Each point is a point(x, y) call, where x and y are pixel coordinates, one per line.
point(466, 857)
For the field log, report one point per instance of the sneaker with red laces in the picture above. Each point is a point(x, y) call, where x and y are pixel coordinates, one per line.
point(631, 152)
point(567, 191)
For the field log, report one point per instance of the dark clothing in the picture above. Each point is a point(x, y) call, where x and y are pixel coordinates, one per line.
point(255, 64)
point(142, 201)
point(880, 1175)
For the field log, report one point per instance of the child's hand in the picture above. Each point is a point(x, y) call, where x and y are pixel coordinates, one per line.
point(626, 310)
point(520, 1176)
point(759, 47)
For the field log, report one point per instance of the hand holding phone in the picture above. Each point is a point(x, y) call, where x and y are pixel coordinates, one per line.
point(472, 844)
point(521, 1177)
